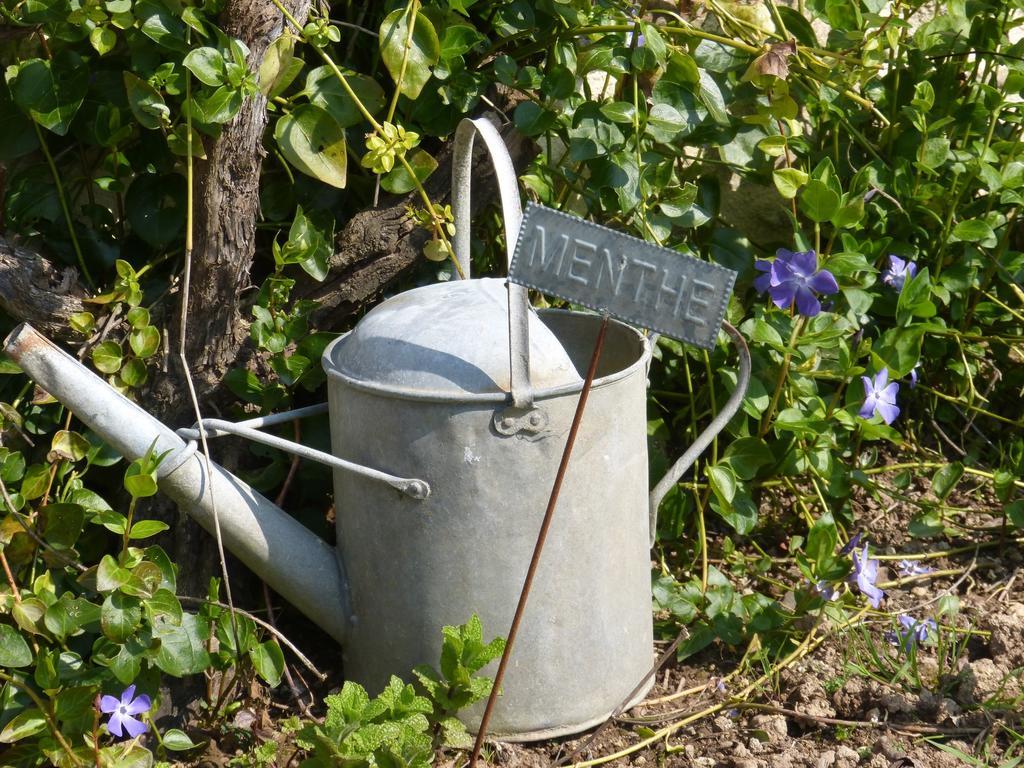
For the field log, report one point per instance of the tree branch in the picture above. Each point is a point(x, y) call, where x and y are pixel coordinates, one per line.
point(378, 244)
point(34, 289)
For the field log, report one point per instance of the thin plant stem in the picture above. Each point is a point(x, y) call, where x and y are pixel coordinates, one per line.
point(783, 373)
point(183, 356)
point(48, 715)
point(811, 642)
point(64, 205)
point(412, 10)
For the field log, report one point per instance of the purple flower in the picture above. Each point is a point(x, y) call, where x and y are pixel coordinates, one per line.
point(794, 278)
point(913, 375)
point(865, 574)
point(880, 397)
point(851, 545)
point(898, 272)
point(912, 568)
point(826, 591)
point(913, 631)
point(122, 713)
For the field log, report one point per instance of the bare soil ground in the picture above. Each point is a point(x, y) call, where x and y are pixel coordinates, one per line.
point(832, 708)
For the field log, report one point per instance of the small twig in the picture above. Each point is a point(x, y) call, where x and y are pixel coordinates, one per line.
point(946, 438)
point(267, 598)
point(662, 660)
point(266, 625)
point(953, 586)
point(916, 728)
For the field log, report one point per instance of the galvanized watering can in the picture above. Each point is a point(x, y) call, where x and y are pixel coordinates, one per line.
point(449, 407)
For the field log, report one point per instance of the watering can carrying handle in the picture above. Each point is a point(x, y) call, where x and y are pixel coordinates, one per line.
point(250, 429)
point(512, 212)
point(704, 440)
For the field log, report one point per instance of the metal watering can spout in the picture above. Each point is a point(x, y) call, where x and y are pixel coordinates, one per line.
point(295, 562)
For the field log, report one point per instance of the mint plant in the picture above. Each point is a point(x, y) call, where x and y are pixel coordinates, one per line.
point(400, 727)
point(457, 685)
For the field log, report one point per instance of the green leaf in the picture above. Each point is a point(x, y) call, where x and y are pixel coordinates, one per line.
point(740, 513)
point(110, 575)
point(103, 39)
point(310, 245)
point(788, 181)
point(50, 97)
point(164, 603)
point(134, 373)
point(160, 25)
point(146, 528)
point(181, 650)
point(220, 106)
point(207, 64)
point(138, 317)
point(21, 726)
point(664, 123)
point(408, 53)
point(723, 482)
point(314, 143)
point(107, 357)
point(17, 135)
point(14, 651)
point(933, 153)
point(773, 146)
point(155, 206)
point(279, 66)
point(268, 661)
point(139, 484)
point(818, 202)
point(746, 455)
point(945, 479)
point(532, 119)
point(177, 741)
point(144, 341)
point(975, 231)
point(399, 180)
point(146, 103)
point(120, 616)
point(898, 349)
point(64, 523)
point(325, 91)
point(35, 482)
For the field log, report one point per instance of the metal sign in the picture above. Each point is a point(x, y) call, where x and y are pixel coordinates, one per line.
point(646, 285)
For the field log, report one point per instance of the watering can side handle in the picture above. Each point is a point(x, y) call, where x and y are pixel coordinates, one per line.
point(512, 212)
point(412, 487)
point(704, 440)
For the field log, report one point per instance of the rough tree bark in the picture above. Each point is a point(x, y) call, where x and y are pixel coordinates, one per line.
point(227, 206)
point(35, 290)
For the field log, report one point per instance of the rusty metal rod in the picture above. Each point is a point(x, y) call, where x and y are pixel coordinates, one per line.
point(541, 538)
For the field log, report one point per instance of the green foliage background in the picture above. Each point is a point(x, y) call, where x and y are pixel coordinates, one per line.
point(899, 133)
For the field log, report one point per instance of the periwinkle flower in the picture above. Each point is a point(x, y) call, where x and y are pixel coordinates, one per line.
point(794, 279)
point(865, 574)
point(898, 272)
point(851, 545)
point(880, 397)
point(913, 632)
point(123, 722)
point(913, 375)
point(826, 591)
point(912, 568)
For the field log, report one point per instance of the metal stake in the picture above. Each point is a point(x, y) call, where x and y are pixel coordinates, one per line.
point(541, 538)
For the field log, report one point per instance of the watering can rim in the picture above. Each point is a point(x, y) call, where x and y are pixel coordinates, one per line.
point(334, 371)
